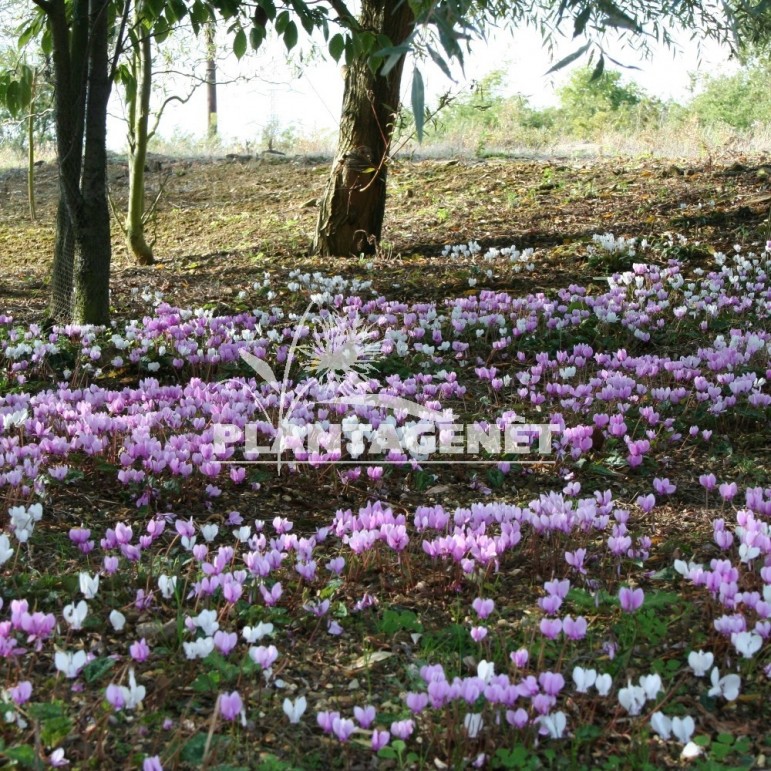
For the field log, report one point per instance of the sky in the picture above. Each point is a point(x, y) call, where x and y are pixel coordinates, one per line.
point(264, 88)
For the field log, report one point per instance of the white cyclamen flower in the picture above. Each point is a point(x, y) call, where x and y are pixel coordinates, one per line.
point(584, 679)
point(70, 664)
point(727, 687)
point(294, 709)
point(662, 725)
point(89, 585)
point(75, 615)
point(700, 662)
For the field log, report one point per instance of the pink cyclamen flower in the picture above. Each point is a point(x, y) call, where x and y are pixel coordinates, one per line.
point(326, 719)
point(630, 599)
point(365, 716)
point(21, 693)
point(708, 481)
point(152, 764)
point(646, 502)
point(574, 629)
point(483, 608)
point(416, 702)
point(728, 491)
point(57, 760)
point(380, 739)
point(550, 627)
point(342, 728)
point(519, 658)
point(231, 705)
point(663, 486)
point(478, 633)
point(402, 729)
point(139, 650)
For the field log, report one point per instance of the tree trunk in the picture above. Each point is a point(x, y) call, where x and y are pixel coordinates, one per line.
point(352, 209)
point(211, 79)
point(81, 267)
point(139, 115)
point(92, 221)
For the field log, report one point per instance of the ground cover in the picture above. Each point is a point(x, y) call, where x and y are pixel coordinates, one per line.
point(603, 605)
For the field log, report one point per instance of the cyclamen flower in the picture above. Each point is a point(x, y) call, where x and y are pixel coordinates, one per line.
point(630, 599)
point(264, 656)
point(662, 725)
point(683, 728)
point(70, 664)
point(75, 615)
point(139, 650)
point(478, 633)
point(584, 679)
point(294, 710)
point(483, 608)
point(89, 585)
point(402, 729)
point(747, 643)
point(380, 739)
point(663, 486)
point(632, 699)
point(342, 728)
point(231, 705)
point(553, 725)
point(727, 687)
point(365, 716)
point(574, 629)
point(700, 662)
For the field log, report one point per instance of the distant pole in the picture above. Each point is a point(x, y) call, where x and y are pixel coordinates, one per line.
point(211, 79)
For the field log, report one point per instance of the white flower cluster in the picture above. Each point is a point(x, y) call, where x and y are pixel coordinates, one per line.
point(607, 242)
point(23, 520)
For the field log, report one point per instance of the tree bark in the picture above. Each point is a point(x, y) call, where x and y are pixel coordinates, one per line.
point(211, 80)
point(81, 266)
point(139, 116)
point(353, 206)
point(92, 220)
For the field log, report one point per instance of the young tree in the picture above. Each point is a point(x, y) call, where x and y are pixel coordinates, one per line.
point(353, 205)
point(138, 82)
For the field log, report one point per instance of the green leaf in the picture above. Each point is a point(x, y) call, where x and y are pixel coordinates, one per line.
point(579, 25)
point(23, 754)
point(97, 669)
point(290, 36)
point(598, 69)
point(193, 750)
point(336, 46)
point(256, 37)
point(392, 56)
point(239, 44)
point(55, 731)
point(569, 58)
point(418, 102)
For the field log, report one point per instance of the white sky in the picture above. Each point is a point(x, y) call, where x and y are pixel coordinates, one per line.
point(311, 104)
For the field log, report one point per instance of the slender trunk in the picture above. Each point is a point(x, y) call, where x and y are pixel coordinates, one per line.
point(139, 114)
point(92, 221)
point(31, 152)
point(211, 79)
point(353, 206)
point(60, 306)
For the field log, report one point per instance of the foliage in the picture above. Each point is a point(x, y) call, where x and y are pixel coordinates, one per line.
point(741, 100)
